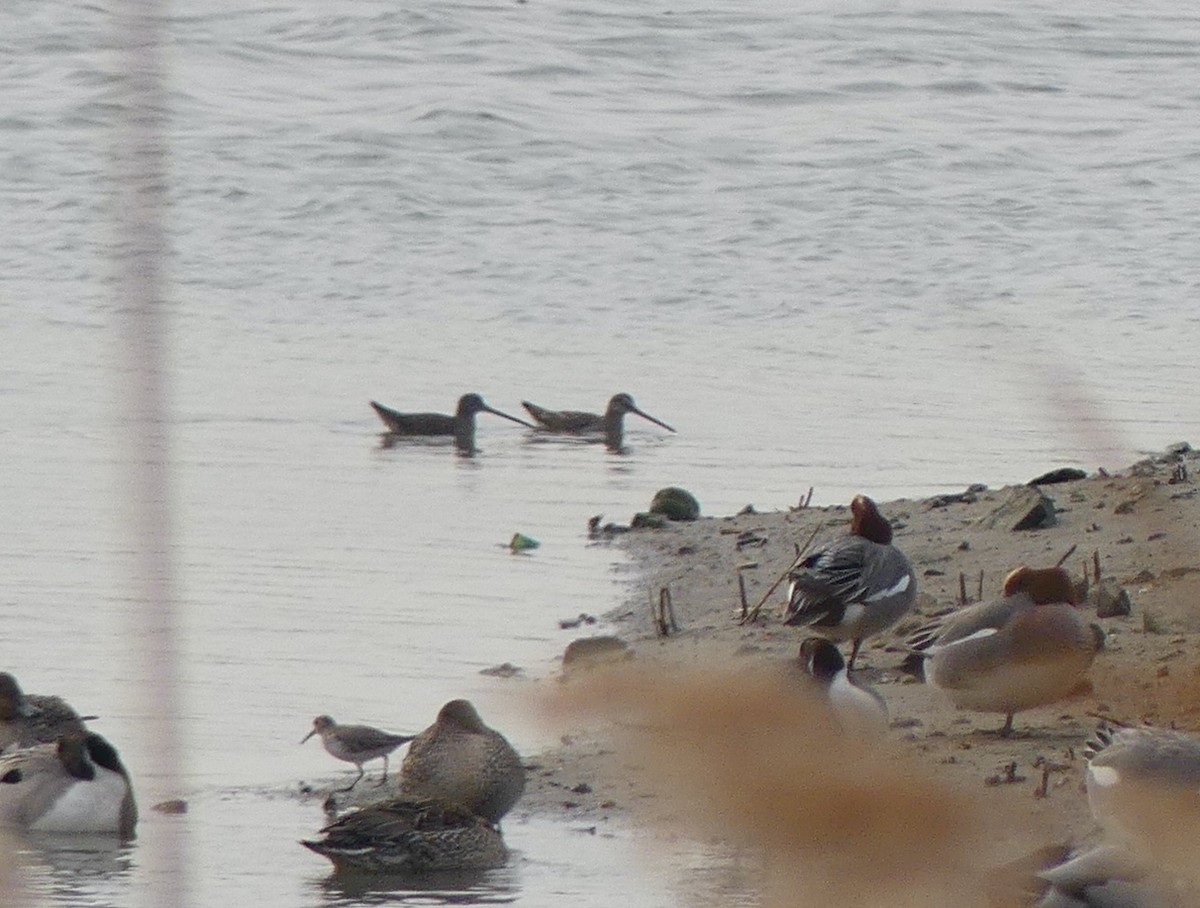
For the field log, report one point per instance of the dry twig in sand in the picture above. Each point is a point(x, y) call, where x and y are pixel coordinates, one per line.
point(753, 616)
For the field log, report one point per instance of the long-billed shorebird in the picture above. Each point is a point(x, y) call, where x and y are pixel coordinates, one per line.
point(461, 425)
point(28, 719)
point(356, 744)
point(576, 422)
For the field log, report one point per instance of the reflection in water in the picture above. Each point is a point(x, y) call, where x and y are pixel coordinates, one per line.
point(388, 440)
point(88, 870)
point(492, 887)
point(552, 862)
point(714, 874)
point(615, 862)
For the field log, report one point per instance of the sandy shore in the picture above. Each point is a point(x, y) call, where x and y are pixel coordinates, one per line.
point(1139, 526)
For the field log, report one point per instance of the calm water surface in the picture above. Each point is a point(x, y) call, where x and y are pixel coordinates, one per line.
point(892, 248)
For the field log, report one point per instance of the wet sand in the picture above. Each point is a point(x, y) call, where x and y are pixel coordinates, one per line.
point(1139, 525)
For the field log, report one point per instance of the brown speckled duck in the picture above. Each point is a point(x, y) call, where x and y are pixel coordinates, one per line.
point(460, 760)
point(405, 836)
point(28, 719)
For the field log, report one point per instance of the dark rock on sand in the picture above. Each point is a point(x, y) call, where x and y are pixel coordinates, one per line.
point(1025, 508)
point(1062, 474)
point(645, 520)
point(504, 670)
point(589, 652)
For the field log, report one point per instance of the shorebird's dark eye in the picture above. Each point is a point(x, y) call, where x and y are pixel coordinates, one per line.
point(12, 777)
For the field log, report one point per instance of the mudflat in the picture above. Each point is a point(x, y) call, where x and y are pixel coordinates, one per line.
point(1132, 538)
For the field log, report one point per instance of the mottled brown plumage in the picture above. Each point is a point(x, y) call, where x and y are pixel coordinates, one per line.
point(28, 719)
point(461, 760)
point(410, 836)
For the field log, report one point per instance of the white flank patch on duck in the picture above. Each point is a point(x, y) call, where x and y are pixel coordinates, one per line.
point(978, 635)
point(849, 699)
point(853, 614)
point(93, 806)
point(1104, 776)
point(894, 590)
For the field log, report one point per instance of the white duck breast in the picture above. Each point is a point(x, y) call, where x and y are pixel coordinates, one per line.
point(77, 785)
point(857, 709)
point(93, 806)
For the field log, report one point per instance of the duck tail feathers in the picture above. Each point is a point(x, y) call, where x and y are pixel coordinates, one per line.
point(1101, 738)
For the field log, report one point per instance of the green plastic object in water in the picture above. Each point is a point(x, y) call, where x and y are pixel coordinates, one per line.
point(521, 543)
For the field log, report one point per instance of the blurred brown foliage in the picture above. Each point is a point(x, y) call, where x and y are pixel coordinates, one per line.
point(840, 819)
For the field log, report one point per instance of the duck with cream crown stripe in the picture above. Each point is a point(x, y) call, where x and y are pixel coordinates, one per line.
point(1031, 647)
point(857, 585)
